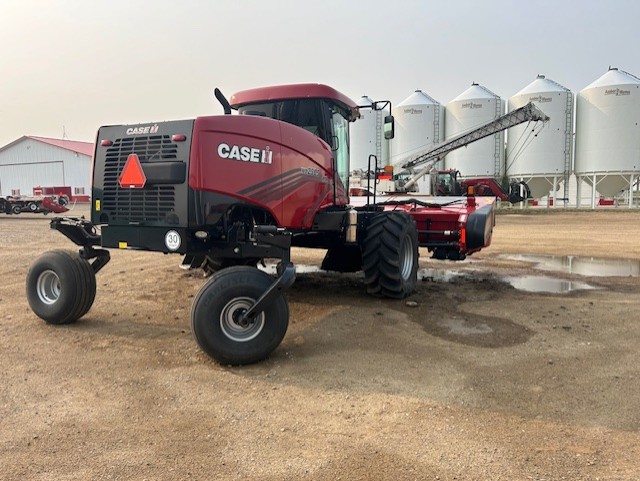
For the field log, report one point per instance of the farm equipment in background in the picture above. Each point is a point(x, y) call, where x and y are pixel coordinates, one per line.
point(448, 182)
point(403, 175)
point(382, 181)
point(43, 204)
point(228, 191)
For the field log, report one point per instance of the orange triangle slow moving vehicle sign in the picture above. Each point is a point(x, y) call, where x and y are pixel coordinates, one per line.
point(132, 176)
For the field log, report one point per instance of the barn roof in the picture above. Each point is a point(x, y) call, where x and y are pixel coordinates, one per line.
point(84, 148)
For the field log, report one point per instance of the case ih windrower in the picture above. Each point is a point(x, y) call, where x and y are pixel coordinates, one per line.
point(229, 191)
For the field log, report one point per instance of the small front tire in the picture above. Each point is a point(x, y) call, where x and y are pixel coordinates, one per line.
point(61, 287)
point(215, 323)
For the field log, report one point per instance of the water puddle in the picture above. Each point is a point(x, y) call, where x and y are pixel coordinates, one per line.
point(546, 284)
point(584, 266)
point(439, 275)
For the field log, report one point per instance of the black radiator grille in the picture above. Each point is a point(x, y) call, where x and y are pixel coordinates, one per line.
point(153, 203)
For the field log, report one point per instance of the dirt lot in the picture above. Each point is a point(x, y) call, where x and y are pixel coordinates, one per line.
point(478, 381)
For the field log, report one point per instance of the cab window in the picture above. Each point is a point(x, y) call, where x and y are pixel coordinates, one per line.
point(340, 144)
point(305, 113)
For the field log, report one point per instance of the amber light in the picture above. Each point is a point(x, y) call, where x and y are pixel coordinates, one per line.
point(178, 137)
point(106, 143)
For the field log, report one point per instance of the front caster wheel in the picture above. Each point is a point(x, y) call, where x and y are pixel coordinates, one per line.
point(216, 317)
point(61, 287)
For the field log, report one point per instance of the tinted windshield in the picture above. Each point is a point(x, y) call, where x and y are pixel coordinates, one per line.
point(305, 113)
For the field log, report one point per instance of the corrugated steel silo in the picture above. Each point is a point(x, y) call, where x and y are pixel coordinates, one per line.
point(418, 126)
point(608, 133)
point(367, 137)
point(472, 108)
point(542, 158)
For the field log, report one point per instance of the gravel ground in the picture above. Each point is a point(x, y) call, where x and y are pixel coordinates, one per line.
point(471, 379)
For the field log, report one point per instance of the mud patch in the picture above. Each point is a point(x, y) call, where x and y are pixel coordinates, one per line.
point(461, 327)
point(476, 330)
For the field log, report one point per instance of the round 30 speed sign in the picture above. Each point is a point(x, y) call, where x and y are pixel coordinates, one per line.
point(172, 240)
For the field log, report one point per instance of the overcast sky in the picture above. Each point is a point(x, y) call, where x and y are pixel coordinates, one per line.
point(75, 65)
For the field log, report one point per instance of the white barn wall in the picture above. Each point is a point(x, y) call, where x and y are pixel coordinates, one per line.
point(29, 163)
point(78, 171)
point(24, 177)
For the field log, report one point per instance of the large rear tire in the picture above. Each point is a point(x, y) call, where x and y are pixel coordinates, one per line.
point(214, 317)
point(61, 287)
point(390, 255)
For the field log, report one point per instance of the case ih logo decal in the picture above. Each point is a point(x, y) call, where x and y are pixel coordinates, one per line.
point(148, 129)
point(245, 154)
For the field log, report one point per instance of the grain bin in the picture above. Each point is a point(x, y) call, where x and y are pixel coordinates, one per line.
point(608, 133)
point(418, 126)
point(542, 158)
point(474, 107)
point(367, 136)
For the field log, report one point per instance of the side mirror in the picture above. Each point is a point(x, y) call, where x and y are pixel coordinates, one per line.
point(389, 127)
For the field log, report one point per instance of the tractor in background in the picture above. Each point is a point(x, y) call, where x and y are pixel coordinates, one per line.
point(448, 183)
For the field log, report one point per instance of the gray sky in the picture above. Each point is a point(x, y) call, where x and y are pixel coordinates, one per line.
point(82, 64)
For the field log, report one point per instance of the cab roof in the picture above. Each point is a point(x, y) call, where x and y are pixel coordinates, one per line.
point(294, 91)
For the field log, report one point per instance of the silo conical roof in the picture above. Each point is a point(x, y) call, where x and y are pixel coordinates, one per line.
point(475, 92)
point(418, 98)
point(614, 77)
point(541, 84)
point(364, 102)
